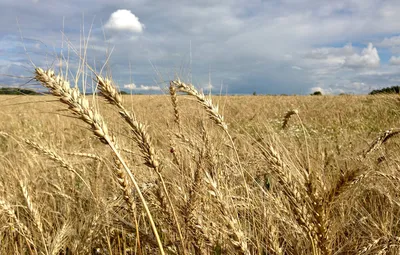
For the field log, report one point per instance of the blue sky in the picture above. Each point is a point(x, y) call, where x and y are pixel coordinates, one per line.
point(242, 46)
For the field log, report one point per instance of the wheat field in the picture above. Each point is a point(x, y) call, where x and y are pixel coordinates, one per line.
point(185, 173)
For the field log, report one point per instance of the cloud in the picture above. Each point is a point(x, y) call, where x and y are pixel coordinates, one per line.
point(142, 87)
point(130, 86)
point(124, 21)
point(315, 89)
point(369, 58)
point(327, 60)
point(249, 45)
point(390, 42)
point(337, 69)
point(345, 56)
point(345, 86)
point(394, 61)
point(329, 52)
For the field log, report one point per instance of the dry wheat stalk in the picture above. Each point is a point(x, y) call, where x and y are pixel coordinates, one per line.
point(22, 228)
point(287, 117)
point(214, 115)
point(174, 101)
point(344, 183)
point(77, 103)
point(381, 139)
point(273, 239)
point(60, 239)
point(192, 203)
point(2, 133)
point(297, 195)
point(54, 156)
point(92, 229)
point(86, 155)
point(291, 188)
point(80, 106)
point(32, 208)
point(237, 236)
point(319, 222)
point(34, 214)
point(110, 93)
point(206, 102)
point(143, 140)
point(125, 186)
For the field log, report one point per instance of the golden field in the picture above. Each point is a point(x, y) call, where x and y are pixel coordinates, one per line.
point(327, 183)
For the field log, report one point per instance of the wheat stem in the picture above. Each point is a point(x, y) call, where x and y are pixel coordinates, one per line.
point(79, 105)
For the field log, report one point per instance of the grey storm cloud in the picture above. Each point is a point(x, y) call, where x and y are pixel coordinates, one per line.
point(264, 46)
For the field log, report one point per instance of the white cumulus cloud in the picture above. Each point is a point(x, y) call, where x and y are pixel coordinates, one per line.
point(369, 58)
point(390, 42)
point(142, 87)
point(394, 61)
point(124, 21)
point(322, 90)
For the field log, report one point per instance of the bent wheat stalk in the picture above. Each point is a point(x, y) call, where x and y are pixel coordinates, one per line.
point(384, 137)
point(80, 107)
point(287, 117)
point(214, 115)
point(174, 101)
point(142, 138)
point(54, 156)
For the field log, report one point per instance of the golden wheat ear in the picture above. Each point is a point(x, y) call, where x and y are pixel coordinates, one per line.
point(287, 117)
point(213, 113)
point(143, 140)
point(381, 139)
point(80, 106)
point(204, 101)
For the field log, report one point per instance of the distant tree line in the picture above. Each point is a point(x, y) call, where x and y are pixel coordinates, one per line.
point(17, 91)
point(391, 90)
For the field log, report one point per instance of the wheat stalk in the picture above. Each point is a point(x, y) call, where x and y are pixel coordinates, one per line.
point(60, 239)
point(32, 208)
point(86, 155)
point(143, 140)
point(299, 198)
point(237, 237)
point(204, 101)
point(23, 229)
point(80, 106)
point(54, 156)
point(34, 213)
point(287, 116)
point(214, 115)
point(381, 139)
point(174, 101)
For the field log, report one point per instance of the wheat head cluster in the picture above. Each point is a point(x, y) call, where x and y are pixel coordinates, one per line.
point(177, 174)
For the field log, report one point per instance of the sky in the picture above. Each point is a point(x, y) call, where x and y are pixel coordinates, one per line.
point(231, 47)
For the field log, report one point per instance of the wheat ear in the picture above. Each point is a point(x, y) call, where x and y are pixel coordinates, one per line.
point(381, 139)
point(23, 229)
point(142, 138)
point(79, 106)
point(287, 117)
point(174, 101)
point(60, 239)
point(237, 237)
point(214, 115)
point(34, 213)
point(206, 102)
point(54, 156)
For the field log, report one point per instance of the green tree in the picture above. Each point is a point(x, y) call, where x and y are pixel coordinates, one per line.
point(388, 90)
point(317, 93)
